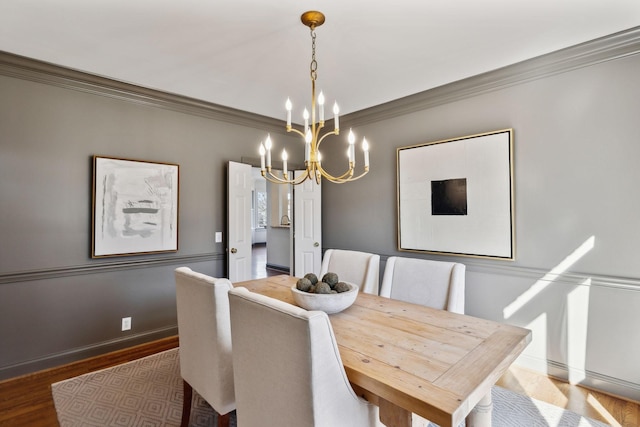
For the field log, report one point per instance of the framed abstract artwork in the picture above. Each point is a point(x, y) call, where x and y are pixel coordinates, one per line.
point(455, 197)
point(135, 207)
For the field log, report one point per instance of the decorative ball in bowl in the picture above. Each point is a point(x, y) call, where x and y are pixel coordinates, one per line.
point(329, 295)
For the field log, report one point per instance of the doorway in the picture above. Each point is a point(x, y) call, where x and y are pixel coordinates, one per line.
point(300, 205)
point(259, 269)
point(270, 227)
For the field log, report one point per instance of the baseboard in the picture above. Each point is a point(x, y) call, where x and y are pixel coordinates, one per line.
point(127, 344)
point(278, 268)
point(593, 380)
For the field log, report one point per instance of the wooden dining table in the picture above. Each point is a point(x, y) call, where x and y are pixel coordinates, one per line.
point(408, 358)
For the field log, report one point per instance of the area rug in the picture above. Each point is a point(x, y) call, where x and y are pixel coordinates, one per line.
point(148, 392)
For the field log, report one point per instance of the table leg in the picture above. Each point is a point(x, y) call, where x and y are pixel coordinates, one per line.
point(392, 415)
point(480, 416)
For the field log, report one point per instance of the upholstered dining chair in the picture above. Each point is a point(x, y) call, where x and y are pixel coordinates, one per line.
point(436, 284)
point(205, 342)
point(287, 368)
point(361, 268)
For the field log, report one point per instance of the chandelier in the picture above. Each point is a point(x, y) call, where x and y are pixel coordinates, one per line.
point(311, 131)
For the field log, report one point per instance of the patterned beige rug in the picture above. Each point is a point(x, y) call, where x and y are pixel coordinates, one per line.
point(145, 392)
point(148, 392)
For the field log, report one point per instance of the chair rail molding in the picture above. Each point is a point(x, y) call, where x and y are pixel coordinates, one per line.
point(105, 267)
point(573, 278)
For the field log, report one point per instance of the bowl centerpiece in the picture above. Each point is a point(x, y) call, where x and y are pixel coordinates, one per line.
point(329, 295)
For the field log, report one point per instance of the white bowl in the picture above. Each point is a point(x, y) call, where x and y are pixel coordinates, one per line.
point(329, 303)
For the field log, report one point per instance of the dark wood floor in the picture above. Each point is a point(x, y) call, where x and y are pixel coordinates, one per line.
point(259, 267)
point(26, 401)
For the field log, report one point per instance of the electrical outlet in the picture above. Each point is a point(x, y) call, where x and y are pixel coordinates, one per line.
point(126, 323)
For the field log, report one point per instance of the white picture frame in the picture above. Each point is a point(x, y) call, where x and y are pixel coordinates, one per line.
point(455, 196)
point(135, 207)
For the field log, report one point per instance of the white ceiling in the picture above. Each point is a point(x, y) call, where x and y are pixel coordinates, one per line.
point(253, 54)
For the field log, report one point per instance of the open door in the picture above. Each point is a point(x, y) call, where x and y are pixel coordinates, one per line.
point(239, 186)
point(307, 227)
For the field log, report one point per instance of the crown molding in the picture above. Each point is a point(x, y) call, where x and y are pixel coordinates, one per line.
point(608, 48)
point(21, 67)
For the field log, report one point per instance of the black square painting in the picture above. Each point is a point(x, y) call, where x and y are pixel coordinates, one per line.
point(449, 197)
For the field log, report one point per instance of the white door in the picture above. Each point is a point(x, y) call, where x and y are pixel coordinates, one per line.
point(307, 227)
point(240, 184)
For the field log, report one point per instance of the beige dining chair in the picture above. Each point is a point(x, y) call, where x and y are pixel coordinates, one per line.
point(287, 367)
point(360, 268)
point(436, 284)
point(204, 333)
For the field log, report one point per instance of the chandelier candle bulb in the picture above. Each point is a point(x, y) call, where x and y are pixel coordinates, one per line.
point(336, 110)
point(288, 106)
point(284, 163)
point(262, 153)
point(365, 148)
point(307, 146)
point(305, 115)
point(267, 145)
point(352, 152)
point(321, 105)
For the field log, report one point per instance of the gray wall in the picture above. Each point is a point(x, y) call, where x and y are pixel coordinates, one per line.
point(575, 117)
point(576, 177)
point(56, 303)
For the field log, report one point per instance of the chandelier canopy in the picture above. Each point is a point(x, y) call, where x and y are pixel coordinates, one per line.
point(311, 131)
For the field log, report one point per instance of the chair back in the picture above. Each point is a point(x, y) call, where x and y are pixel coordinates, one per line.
point(361, 268)
point(205, 337)
point(436, 284)
point(287, 367)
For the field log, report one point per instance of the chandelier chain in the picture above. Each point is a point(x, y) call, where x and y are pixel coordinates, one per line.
point(314, 64)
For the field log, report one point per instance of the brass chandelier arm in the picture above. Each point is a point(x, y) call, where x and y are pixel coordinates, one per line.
point(333, 132)
point(345, 177)
point(292, 129)
point(269, 176)
point(321, 125)
point(315, 171)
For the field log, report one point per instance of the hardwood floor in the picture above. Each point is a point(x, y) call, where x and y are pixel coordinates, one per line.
point(26, 401)
point(590, 403)
point(259, 267)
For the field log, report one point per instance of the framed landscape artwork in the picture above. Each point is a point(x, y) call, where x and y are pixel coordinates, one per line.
point(135, 207)
point(455, 196)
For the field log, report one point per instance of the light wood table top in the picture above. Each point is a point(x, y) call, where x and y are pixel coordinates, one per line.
point(410, 358)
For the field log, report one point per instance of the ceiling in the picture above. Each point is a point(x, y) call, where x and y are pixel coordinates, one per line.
point(253, 54)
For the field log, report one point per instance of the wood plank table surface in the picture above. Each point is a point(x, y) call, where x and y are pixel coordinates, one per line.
point(407, 358)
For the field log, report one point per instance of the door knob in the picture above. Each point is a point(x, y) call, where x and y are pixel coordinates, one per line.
point(234, 250)
point(316, 244)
